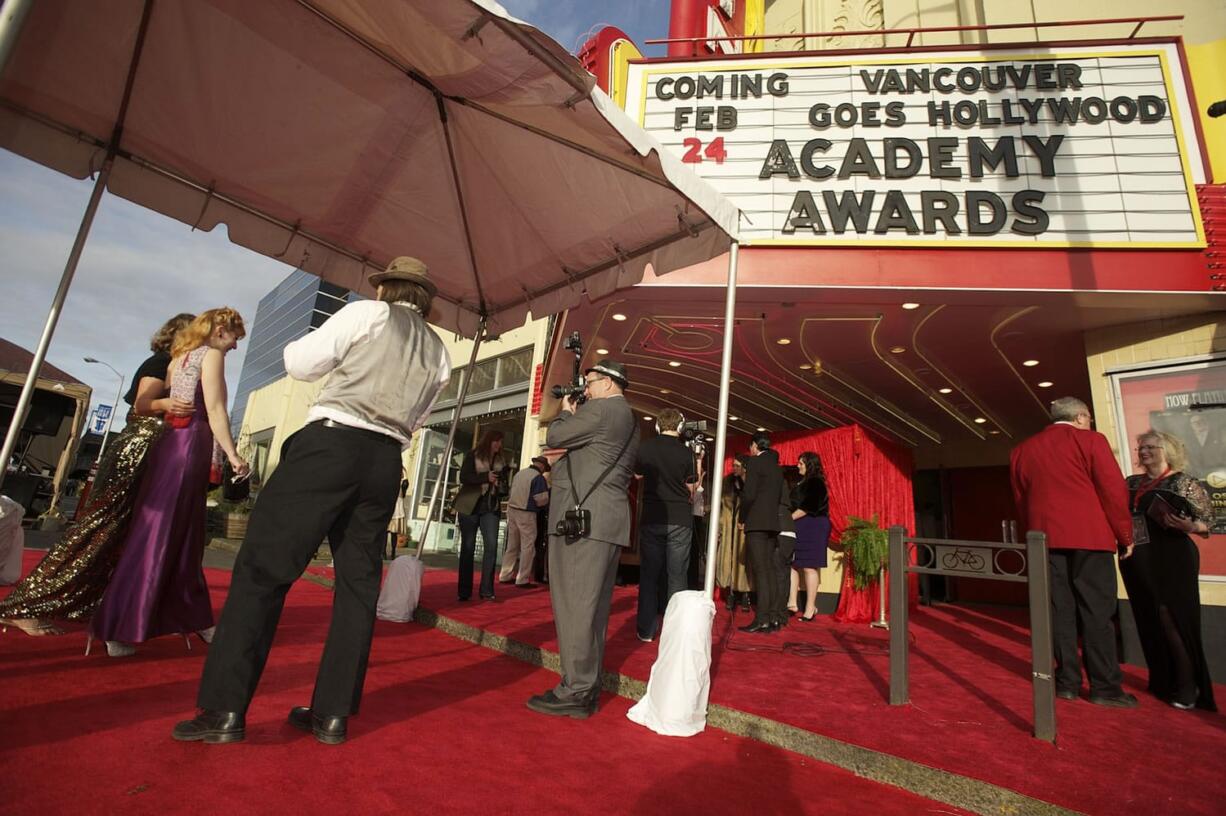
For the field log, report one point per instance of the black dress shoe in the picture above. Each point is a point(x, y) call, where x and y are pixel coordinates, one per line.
point(488, 597)
point(1066, 694)
point(548, 703)
point(1121, 700)
point(212, 727)
point(757, 626)
point(328, 730)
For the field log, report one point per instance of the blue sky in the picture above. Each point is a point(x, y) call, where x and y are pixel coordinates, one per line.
point(139, 268)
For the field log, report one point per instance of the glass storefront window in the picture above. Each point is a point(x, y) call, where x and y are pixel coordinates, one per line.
point(484, 376)
point(452, 389)
point(515, 368)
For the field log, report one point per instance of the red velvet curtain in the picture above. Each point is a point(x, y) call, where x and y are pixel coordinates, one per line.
point(867, 476)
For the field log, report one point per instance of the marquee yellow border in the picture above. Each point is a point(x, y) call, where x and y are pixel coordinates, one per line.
point(1173, 105)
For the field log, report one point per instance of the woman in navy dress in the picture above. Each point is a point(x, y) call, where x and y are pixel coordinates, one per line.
point(811, 512)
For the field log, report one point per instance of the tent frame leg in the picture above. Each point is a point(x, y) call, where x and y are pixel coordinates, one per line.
point(721, 428)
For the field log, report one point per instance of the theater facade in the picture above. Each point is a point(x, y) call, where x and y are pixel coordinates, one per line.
point(953, 215)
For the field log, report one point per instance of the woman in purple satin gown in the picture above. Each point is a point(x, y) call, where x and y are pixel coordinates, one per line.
point(158, 587)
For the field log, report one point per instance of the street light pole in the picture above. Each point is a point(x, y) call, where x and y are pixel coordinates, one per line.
point(114, 406)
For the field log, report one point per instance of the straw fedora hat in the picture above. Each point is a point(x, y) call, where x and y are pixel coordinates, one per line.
point(407, 269)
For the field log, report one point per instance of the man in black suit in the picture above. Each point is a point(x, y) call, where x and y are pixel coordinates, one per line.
point(760, 518)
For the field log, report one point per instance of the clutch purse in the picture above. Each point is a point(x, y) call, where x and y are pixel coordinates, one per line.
point(1166, 502)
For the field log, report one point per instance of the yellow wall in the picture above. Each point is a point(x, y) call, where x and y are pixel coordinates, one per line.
point(535, 334)
point(1165, 339)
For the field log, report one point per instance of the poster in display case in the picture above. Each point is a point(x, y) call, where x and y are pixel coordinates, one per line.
point(1187, 401)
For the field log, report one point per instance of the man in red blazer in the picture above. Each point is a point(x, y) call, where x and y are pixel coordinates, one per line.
point(1067, 484)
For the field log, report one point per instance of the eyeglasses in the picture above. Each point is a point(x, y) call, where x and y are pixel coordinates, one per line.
point(587, 383)
point(1148, 448)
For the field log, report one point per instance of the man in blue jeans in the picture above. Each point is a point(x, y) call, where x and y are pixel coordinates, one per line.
point(669, 476)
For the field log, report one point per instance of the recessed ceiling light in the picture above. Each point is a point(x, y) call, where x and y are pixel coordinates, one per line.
point(674, 364)
point(994, 432)
point(762, 430)
point(909, 306)
point(733, 419)
point(980, 420)
point(805, 367)
point(1045, 384)
point(783, 341)
point(647, 418)
point(665, 391)
point(945, 390)
point(897, 349)
point(602, 351)
point(619, 316)
point(1030, 363)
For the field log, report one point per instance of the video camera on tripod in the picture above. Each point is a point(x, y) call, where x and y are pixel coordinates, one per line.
point(695, 435)
point(575, 388)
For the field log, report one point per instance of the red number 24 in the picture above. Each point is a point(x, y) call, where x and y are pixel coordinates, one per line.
point(714, 151)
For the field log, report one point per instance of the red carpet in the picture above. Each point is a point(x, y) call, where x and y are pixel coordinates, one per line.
point(971, 706)
point(443, 730)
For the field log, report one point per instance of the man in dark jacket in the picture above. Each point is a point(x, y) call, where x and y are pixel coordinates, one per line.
point(761, 518)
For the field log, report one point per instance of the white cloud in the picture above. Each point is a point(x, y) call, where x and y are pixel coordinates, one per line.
point(138, 269)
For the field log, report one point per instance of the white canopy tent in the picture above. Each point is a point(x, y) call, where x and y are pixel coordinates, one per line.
point(338, 134)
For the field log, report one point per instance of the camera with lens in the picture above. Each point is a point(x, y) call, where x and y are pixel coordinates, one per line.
point(695, 434)
point(575, 523)
point(575, 388)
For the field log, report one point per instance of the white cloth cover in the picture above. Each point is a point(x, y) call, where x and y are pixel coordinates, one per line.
point(12, 540)
point(675, 704)
point(401, 590)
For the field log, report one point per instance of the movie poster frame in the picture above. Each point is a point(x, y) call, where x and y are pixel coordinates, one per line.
point(1126, 434)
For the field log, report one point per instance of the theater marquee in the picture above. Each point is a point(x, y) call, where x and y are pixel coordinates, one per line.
point(1034, 149)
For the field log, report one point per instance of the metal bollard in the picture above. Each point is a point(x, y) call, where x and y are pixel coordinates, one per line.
point(1041, 657)
point(900, 692)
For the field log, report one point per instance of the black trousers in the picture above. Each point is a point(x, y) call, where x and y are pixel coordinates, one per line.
point(762, 552)
point(1083, 598)
point(332, 482)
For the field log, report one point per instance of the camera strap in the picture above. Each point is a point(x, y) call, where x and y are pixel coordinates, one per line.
point(603, 476)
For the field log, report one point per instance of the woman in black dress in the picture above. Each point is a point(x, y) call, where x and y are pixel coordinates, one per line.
point(1162, 576)
point(811, 511)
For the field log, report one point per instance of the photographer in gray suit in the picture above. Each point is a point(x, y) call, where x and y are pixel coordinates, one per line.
point(589, 523)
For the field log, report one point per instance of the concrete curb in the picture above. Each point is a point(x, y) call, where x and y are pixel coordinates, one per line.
point(941, 786)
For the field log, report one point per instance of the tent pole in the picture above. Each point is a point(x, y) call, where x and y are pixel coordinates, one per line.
point(721, 428)
point(12, 17)
point(455, 423)
point(53, 317)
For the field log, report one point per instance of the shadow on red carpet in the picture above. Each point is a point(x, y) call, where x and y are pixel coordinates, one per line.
point(970, 711)
point(443, 730)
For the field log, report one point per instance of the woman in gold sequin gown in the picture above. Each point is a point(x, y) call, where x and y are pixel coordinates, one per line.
point(69, 582)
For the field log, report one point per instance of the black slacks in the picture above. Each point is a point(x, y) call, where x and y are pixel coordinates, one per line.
point(1083, 597)
point(762, 553)
point(333, 482)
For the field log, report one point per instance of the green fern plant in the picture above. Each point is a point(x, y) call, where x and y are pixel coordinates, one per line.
point(866, 546)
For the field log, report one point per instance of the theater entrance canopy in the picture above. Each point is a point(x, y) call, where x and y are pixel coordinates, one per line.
point(959, 375)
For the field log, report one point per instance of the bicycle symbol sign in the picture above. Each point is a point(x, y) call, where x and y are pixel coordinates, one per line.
point(963, 559)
